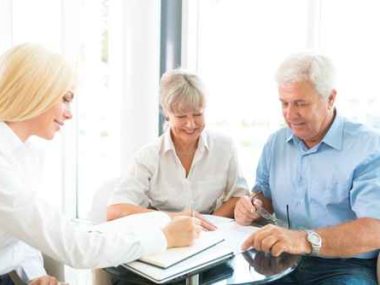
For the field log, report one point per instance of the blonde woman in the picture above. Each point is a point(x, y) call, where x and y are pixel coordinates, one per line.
point(188, 167)
point(36, 89)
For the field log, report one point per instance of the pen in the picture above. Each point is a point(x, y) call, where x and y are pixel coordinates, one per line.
point(270, 217)
point(263, 212)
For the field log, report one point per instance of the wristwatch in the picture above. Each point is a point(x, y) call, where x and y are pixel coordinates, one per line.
point(315, 241)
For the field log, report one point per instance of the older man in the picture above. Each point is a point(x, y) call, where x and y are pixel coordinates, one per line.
point(324, 171)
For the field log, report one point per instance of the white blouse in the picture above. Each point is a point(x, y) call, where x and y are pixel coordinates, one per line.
point(26, 219)
point(157, 178)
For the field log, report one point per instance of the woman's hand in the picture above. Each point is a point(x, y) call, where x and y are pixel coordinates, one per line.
point(182, 231)
point(206, 225)
point(44, 280)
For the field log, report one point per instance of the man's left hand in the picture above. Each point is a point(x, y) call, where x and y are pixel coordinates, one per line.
point(276, 240)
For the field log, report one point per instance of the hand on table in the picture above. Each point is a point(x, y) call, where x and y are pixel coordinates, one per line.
point(276, 240)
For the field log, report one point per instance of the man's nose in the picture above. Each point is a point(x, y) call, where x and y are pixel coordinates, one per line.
point(290, 111)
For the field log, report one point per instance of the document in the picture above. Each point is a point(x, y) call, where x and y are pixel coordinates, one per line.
point(174, 255)
point(233, 233)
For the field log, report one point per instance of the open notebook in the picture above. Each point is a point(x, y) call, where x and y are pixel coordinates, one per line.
point(229, 233)
point(210, 249)
point(174, 255)
point(202, 260)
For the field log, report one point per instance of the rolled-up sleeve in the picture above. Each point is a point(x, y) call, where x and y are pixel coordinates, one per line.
point(133, 187)
point(262, 172)
point(365, 191)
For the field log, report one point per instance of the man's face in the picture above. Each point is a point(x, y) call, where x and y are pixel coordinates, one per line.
point(307, 114)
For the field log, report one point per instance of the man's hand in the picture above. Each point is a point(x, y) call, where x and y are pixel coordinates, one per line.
point(182, 231)
point(44, 280)
point(277, 240)
point(245, 212)
point(191, 213)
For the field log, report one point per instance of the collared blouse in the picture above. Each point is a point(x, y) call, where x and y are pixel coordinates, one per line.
point(157, 179)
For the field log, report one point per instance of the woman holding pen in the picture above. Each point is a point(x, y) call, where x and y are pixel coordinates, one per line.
point(188, 167)
point(36, 90)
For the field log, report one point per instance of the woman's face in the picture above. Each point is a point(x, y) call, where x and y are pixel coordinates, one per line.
point(51, 121)
point(186, 127)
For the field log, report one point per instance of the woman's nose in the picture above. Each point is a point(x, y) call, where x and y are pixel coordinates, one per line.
point(190, 122)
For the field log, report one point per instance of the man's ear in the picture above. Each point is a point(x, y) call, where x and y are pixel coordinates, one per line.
point(331, 98)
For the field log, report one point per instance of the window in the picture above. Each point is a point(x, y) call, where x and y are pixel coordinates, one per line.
point(349, 36)
point(236, 47)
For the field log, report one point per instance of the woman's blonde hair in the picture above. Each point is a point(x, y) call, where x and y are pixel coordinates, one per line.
point(32, 80)
point(181, 91)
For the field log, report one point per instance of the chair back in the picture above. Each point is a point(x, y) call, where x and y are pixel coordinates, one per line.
point(98, 211)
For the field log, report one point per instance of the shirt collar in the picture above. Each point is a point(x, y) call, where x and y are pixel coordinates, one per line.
point(333, 137)
point(168, 144)
point(9, 141)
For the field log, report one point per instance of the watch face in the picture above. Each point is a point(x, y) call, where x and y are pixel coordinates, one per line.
point(314, 238)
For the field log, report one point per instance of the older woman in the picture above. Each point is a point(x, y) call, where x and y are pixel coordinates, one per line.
point(35, 94)
point(187, 167)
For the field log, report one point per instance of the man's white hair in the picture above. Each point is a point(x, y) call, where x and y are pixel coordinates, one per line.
point(317, 69)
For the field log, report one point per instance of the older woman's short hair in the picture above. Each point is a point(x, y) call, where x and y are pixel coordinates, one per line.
point(317, 69)
point(181, 91)
point(32, 80)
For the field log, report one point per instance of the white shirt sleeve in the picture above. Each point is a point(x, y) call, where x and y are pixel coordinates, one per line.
point(32, 265)
point(33, 221)
point(133, 188)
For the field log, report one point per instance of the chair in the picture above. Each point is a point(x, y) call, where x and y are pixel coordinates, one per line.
point(98, 214)
point(53, 268)
point(98, 211)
